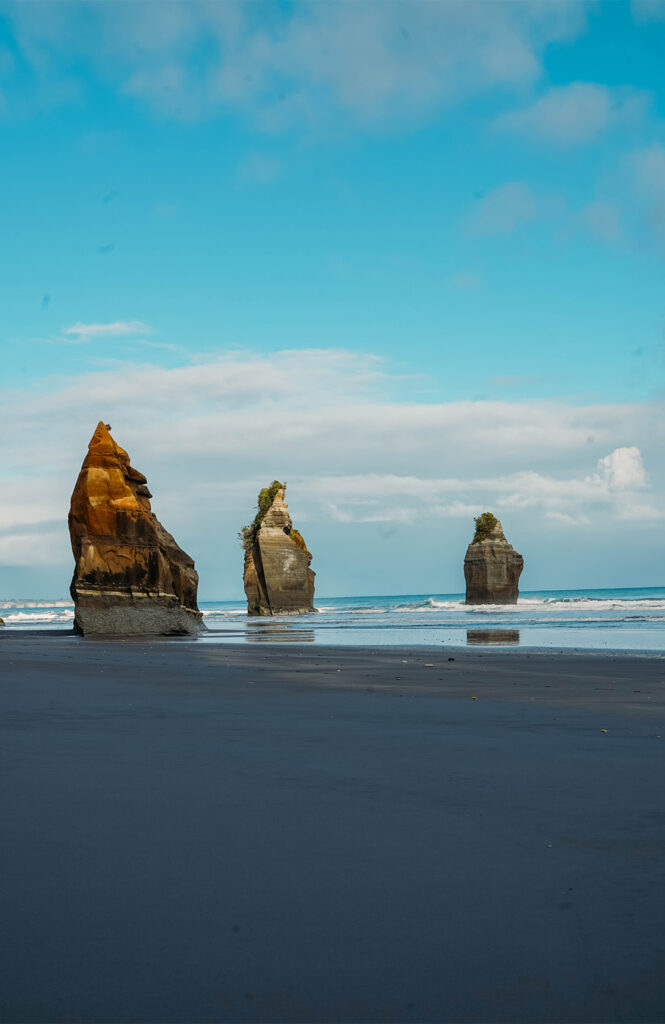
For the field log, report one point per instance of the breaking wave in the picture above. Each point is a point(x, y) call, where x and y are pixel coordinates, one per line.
point(38, 618)
point(531, 605)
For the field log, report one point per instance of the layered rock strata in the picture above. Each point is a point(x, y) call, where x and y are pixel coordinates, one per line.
point(277, 576)
point(492, 567)
point(130, 576)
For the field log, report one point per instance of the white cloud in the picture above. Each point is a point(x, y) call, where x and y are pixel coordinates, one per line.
point(372, 513)
point(301, 64)
point(574, 113)
point(622, 469)
point(566, 519)
point(502, 210)
point(209, 435)
point(319, 405)
point(79, 332)
point(367, 498)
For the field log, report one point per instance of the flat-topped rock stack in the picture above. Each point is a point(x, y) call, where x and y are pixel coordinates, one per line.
point(492, 567)
point(130, 576)
point(277, 576)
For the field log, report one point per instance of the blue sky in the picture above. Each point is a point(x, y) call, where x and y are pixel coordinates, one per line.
point(407, 256)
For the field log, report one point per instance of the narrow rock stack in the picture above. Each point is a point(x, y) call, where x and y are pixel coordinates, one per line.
point(277, 576)
point(130, 576)
point(492, 567)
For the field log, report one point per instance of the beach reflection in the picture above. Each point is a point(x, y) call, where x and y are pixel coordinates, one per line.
point(277, 633)
point(492, 636)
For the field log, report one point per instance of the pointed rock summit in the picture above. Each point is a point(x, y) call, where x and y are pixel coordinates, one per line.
point(492, 567)
point(130, 575)
point(277, 576)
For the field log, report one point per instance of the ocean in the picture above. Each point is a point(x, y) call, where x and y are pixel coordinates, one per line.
point(621, 619)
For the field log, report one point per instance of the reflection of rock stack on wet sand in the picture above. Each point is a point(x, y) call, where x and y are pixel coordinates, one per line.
point(275, 633)
point(477, 637)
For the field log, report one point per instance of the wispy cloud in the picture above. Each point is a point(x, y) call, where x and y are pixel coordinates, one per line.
point(79, 332)
point(164, 345)
point(306, 65)
point(616, 485)
point(574, 113)
point(502, 210)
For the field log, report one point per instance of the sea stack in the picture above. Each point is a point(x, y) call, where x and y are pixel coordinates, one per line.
point(492, 567)
point(277, 576)
point(130, 576)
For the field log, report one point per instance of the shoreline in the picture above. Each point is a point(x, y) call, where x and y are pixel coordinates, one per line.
point(206, 638)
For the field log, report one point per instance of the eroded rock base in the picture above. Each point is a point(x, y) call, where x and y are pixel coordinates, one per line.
point(138, 616)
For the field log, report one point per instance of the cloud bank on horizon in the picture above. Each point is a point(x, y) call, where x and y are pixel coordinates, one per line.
point(406, 255)
point(357, 461)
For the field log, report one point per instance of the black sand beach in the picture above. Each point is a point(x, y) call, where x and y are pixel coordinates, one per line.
point(194, 832)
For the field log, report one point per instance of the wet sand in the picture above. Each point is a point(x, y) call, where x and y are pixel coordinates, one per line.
point(193, 832)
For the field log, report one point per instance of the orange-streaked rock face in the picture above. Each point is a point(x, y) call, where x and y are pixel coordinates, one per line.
point(277, 576)
point(130, 576)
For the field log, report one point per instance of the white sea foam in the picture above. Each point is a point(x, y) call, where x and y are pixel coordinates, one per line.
point(532, 605)
point(621, 610)
point(35, 618)
point(222, 612)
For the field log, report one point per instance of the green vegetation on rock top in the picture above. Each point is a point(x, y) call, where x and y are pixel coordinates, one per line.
point(300, 540)
point(484, 526)
point(265, 499)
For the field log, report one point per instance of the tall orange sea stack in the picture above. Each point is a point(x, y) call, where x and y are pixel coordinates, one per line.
point(130, 577)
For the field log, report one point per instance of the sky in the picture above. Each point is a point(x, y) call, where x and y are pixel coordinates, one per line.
point(408, 257)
